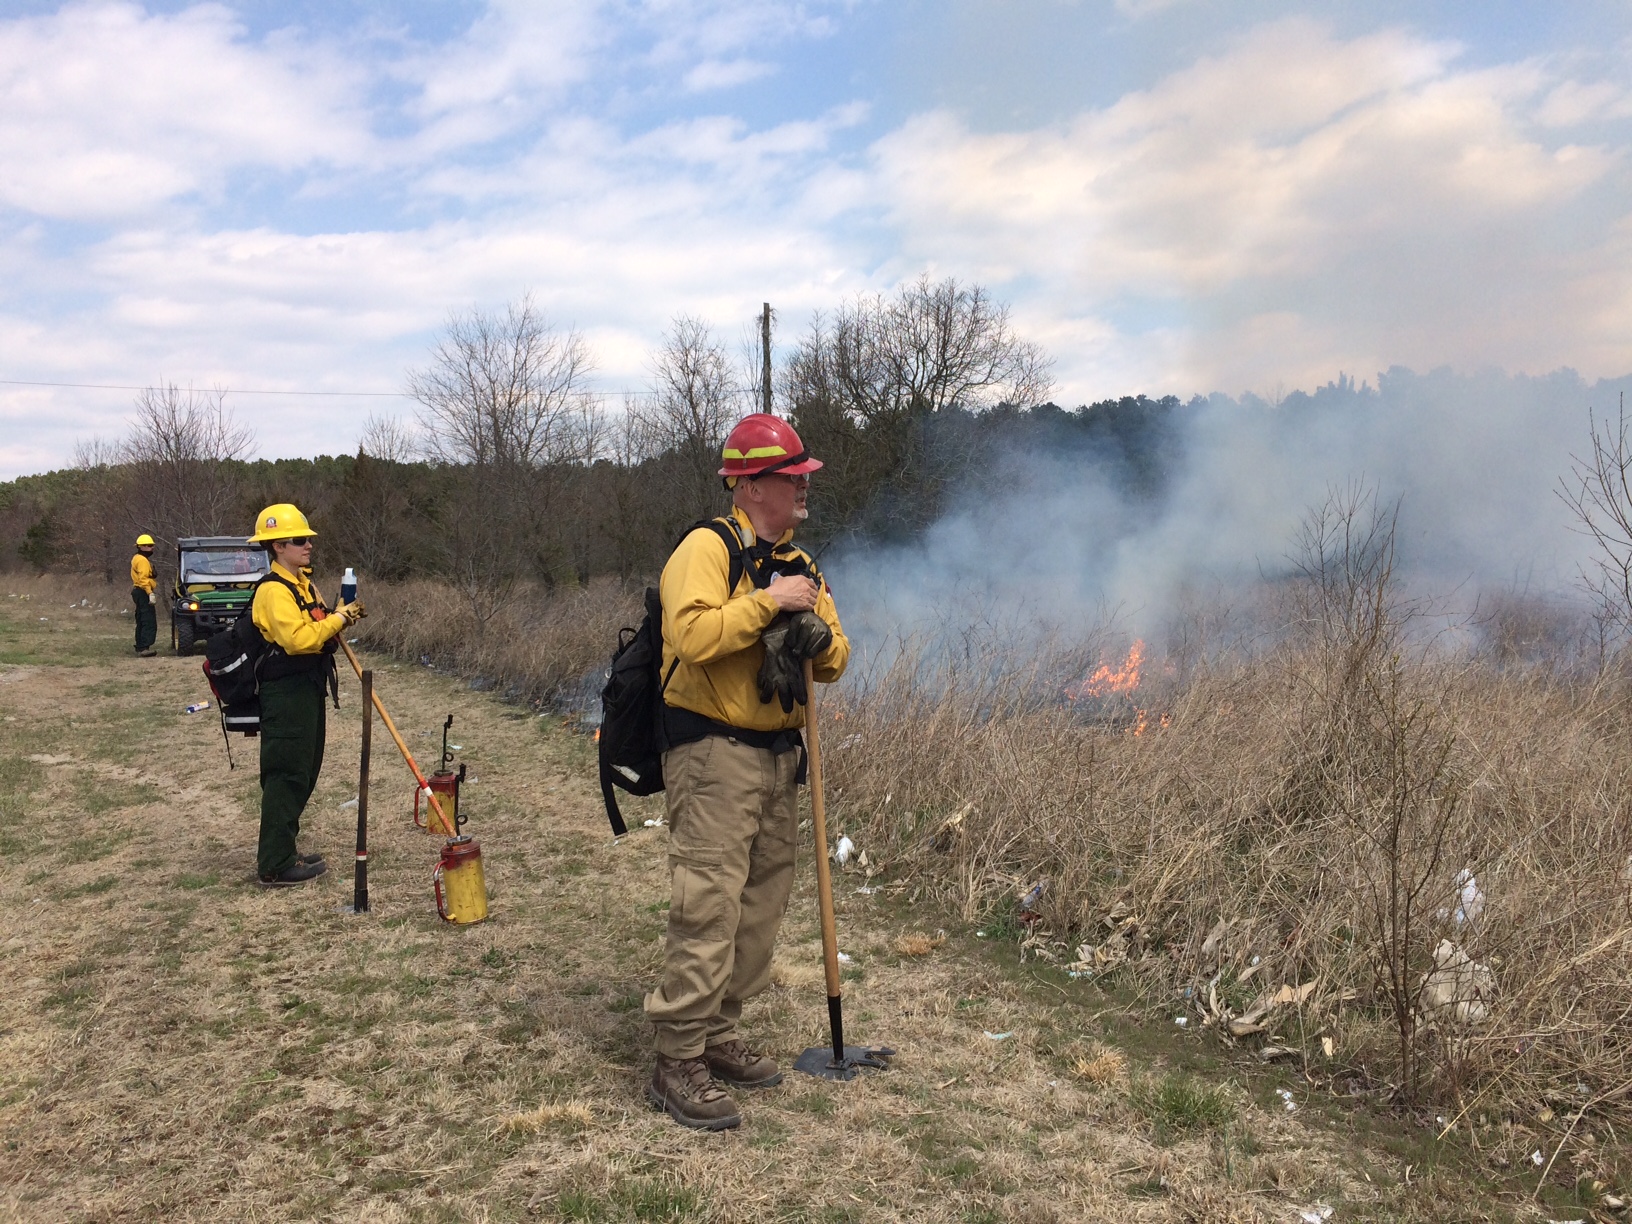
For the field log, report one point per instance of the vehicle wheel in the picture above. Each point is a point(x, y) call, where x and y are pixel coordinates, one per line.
point(186, 634)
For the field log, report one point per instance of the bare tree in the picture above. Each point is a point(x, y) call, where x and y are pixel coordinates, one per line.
point(503, 409)
point(181, 453)
point(1599, 491)
point(389, 438)
point(504, 390)
point(99, 535)
point(865, 384)
point(694, 402)
point(932, 346)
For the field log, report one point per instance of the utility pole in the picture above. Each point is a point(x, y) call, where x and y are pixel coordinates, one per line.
point(765, 363)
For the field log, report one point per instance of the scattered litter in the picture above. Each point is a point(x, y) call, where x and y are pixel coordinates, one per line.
point(1034, 895)
point(844, 850)
point(352, 641)
point(196, 707)
point(1328, 1047)
point(1535, 1157)
point(1286, 1099)
point(980, 934)
point(1458, 988)
point(425, 661)
point(654, 824)
point(844, 958)
point(999, 1036)
point(1182, 1021)
point(1079, 973)
point(1315, 1215)
point(865, 891)
point(1276, 1053)
point(456, 747)
point(350, 803)
point(1255, 960)
point(1470, 901)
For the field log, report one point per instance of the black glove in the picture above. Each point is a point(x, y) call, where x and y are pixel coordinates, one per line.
point(808, 635)
point(782, 674)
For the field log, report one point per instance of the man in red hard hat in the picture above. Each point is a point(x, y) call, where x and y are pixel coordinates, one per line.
point(734, 703)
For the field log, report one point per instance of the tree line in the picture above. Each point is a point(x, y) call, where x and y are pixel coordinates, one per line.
point(512, 470)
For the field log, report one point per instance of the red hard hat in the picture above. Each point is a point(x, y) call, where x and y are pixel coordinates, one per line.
point(761, 444)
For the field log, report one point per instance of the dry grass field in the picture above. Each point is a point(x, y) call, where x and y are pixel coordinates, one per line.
point(178, 1044)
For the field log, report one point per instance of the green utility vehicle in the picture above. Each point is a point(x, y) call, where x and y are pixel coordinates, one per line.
point(215, 580)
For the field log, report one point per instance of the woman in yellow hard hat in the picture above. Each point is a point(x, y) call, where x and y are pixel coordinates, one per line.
point(295, 671)
point(144, 589)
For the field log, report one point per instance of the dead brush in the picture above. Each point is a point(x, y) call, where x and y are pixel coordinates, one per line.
point(1100, 1066)
point(537, 647)
point(1303, 830)
point(916, 943)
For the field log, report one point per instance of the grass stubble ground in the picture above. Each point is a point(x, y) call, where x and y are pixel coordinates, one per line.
point(178, 1044)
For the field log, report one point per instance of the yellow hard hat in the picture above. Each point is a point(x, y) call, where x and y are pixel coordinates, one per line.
point(144, 538)
point(280, 522)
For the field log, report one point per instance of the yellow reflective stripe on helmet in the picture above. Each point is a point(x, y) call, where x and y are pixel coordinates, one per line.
point(758, 452)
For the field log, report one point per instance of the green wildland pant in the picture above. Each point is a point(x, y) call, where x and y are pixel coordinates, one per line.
point(147, 618)
point(292, 728)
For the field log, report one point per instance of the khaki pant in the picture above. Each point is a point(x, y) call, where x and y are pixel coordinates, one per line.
point(733, 819)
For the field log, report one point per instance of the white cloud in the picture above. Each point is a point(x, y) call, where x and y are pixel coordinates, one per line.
point(723, 74)
point(106, 111)
point(1295, 205)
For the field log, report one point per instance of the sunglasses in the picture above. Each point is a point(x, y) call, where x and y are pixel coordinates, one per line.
point(299, 541)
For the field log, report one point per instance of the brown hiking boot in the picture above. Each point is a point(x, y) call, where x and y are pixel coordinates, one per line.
point(682, 1087)
point(732, 1062)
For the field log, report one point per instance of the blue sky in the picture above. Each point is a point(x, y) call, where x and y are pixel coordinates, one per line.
point(1174, 195)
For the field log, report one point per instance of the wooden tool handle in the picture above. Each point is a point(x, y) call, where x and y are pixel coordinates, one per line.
point(818, 820)
point(379, 707)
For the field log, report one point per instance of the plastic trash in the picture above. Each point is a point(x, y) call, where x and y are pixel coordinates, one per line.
point(1458, 987)
point(1286, 1098)
point(843, 851)
point(654, 824)
point(1470, 901)
point(1318, 1214)
point(1182, 1021)
point(196, 707)
point(1034, 895)
point(348, 586)
point(350, 803)
point(999, 1036)
point(844, 958)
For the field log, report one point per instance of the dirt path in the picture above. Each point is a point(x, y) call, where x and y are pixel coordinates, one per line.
point(178, 1044)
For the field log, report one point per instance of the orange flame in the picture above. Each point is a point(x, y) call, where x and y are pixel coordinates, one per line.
point(597, 735)
point(1105, 680)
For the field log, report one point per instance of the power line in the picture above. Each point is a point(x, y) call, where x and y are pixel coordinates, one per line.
point(21, 382)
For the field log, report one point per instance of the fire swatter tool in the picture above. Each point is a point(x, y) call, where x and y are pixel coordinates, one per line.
point(838, 1061)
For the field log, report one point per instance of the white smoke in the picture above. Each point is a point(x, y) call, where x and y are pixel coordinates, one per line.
point(1475, 463)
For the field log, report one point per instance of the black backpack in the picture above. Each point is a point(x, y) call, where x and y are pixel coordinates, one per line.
point(232, 664)
point(631, 734)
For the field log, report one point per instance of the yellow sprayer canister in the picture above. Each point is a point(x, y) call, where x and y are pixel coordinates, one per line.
point(444, 784)
point(461, 888)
